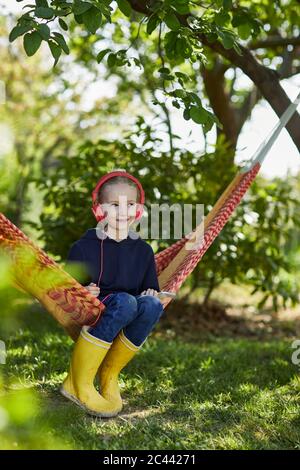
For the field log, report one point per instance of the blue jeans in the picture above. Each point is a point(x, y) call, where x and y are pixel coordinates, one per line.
point(136, 315)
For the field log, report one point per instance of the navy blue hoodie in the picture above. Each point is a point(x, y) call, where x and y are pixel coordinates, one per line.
point(128, 265)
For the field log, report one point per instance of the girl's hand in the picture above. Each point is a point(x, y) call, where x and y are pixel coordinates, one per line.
point(154, 292)
point(150, 292)
point(93, 289)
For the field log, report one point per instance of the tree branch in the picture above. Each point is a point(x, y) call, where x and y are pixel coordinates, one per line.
point(214, 82)
point(266, 80)
point(273, 41)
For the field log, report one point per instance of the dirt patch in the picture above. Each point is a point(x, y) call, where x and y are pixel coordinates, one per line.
point(182, 318)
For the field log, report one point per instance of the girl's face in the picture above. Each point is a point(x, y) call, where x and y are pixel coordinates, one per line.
point(120, 205)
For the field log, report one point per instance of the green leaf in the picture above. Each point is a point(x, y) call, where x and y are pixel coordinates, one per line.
point(81, 7)
point(18, 31)
point(227, 4)
point(183, 48)
point(239, 18)
point(63, 24)
point(41, 3)
point(121, 58)
point(167, 77)
point(179, 92)
point(183, 76)
point(44, 31)
point(199, 115)
point(125, 7)
point(196, 98)
point(222, 18)
point(226, 39)
point(102, 54)
point(172, 21)
point(170, 39)
point(208, 124)
point(244, 30)
point(32, 42)
point(186, 114)
point(182, 9)
point(212, 37)
point(55, 51)
point(62, 42)
point(152, 23)
point(78, 19)
point(111, 60)
point(92, 19)
point(137, 62)
point(164, 70)
point(42, 12)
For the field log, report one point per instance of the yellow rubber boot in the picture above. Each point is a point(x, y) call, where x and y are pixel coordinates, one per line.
point(78, 386)
point(118, 356)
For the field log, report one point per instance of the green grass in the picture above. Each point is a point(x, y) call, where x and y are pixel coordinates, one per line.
point(217, 393)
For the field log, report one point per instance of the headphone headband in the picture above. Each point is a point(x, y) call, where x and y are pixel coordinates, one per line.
point(96, 206)
point(112, 174)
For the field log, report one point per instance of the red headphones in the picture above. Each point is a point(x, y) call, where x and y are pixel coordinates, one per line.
point(96, 207)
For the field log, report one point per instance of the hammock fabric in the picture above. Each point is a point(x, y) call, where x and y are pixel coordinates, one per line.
point(33, 271)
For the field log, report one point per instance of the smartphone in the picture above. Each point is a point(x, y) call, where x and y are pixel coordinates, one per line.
point(165, 293)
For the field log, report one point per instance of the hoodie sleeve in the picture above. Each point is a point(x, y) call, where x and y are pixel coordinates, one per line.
point(150, 280)
point(76, 255)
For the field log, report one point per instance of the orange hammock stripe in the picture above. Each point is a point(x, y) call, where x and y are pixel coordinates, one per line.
point(33, 271)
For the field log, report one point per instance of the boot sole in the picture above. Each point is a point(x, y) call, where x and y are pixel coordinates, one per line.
point(87, 410)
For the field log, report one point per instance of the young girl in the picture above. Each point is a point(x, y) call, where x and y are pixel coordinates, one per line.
point(123, 276)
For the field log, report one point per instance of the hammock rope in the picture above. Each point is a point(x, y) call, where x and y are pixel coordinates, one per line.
point(178, 266)
point(70, 303)
point(33, 271)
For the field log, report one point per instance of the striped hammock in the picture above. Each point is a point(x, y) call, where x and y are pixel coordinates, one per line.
point(70, 303)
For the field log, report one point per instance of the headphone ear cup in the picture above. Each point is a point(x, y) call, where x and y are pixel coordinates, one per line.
point(98, 213)
point(139, 211)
